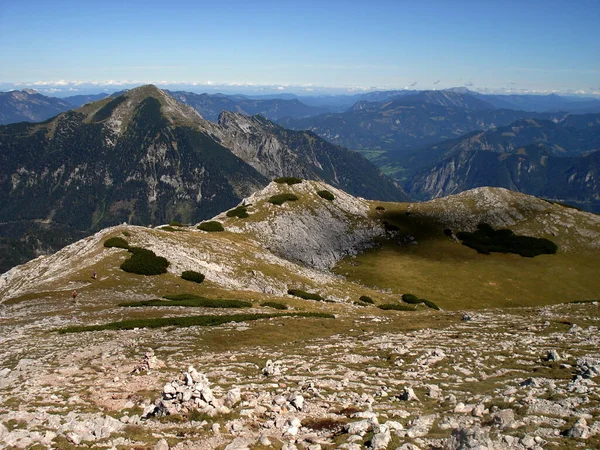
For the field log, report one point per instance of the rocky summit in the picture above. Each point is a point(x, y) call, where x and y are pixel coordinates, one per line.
point(323, 349)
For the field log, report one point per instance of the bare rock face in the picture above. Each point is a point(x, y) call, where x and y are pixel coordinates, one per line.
point(317, 233)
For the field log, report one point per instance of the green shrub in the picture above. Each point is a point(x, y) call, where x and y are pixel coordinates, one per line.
point(190, 300)
point(414, 300)
point(280, 199)
point(326, 195)
point(192, 275)
point(288, 180)
point(117, 242)
point(430, 304)
point(126, 233)
point(145, 262)
point(211, 226)
point(186, 321)
point(379, 208)
point(239, 212)
point(174, 223)
point(410, 298)
point(274, 305)
point(487, 240)
point(396, 307)
point(305, 295)
point(366, 299)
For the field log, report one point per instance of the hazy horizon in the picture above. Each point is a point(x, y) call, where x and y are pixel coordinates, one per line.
point(535, 47)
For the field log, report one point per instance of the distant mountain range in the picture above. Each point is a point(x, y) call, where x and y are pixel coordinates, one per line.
point(403, 124)
point(210, 106)
point(29, 106)
point(556, 160)
point(144, 158)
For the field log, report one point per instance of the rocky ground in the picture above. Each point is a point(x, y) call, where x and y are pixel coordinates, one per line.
point(491, 379)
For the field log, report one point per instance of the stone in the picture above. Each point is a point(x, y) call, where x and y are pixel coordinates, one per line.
point(232, 397)
point(297, 401)
point(161, 445)
point(579, 429)
point(360, 427)
point(271, 369)
point(238, 444)
point(292, 426)
point(381, 439)
point(469, 438)
point(264, 440)
point(408, 395)
point(504, 418)
point(408, 446)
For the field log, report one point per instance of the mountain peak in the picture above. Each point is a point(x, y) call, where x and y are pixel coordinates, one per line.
point(118, 111)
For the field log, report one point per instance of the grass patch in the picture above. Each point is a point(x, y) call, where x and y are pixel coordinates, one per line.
point(181, 322)
point(280, 199)
point(305, 295)
point(396, 307)
point(196, 302)
point(117, 242)
point(486, 240)
point(240, 212)
point(326, 195)
point(288, 180)
point(192, 275)
point(274, 305)
point(145, 262)
point(174, 223)
point(211, 226)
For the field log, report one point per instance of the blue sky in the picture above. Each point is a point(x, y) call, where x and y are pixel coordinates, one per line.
point(537, 46)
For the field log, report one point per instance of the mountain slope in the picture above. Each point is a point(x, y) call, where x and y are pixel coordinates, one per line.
point(275, 151)
point(29, 106)
point(532, 169)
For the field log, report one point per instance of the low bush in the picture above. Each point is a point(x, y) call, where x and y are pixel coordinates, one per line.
point(117, 242)
point(396, 307)
point(280, 199)
point(414, 300)
point(410, 298)
point(187, 321)
point(174, 223)
point(240, 212)
point(366, 299)
point(193, 301)
point(379, 208)
point(326, 195)
point(274, 305)
point(145, 262)
point(288, 180)
point(487, 240)
point(305, 295)
point(211, 226)
point(430, 304)
point(191, 275)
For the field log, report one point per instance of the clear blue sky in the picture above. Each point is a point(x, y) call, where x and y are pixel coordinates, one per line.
point(525, 45)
